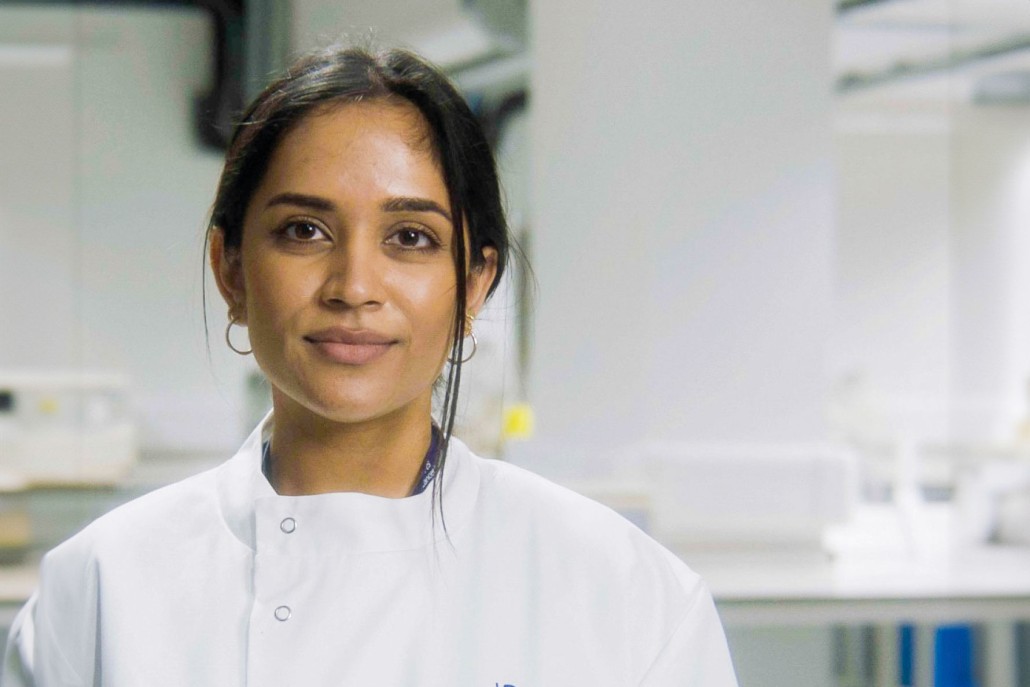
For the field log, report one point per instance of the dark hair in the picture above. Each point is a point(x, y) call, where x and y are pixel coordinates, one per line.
point(340, 76)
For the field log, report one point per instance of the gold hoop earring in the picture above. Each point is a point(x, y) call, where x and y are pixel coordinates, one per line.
point(228, 341)
point(475, 346)
point(469, 319)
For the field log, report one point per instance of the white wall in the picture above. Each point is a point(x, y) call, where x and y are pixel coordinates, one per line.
point(683, 220)
point(38, 242)
point(892, 308)
point(932, 307)
point(101, 232)
point(990, 291)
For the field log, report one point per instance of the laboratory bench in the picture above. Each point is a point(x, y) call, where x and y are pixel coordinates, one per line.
point(35, 518)
point(879, 576)
point(838, 612)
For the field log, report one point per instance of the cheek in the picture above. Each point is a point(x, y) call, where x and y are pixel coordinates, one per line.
point(275, 292)
point(430, 304)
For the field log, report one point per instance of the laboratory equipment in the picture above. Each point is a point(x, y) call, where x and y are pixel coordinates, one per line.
point(993, 501)
point(748, 497)
point(64, 427)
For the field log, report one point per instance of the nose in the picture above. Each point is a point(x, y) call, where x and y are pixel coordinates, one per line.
point(353, 278)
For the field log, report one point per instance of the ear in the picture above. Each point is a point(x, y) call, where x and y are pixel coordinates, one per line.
point(480, 279)
point(228, 272)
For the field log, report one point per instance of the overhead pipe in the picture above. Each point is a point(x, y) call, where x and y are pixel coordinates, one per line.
point(853, 81)
point(214, 110)
point(845, 6)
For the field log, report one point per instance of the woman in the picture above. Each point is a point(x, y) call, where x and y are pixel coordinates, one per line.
point(356, 232)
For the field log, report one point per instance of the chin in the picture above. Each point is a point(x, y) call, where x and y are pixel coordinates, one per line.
point(354, 407)
point(352, 414)
point(350, 399)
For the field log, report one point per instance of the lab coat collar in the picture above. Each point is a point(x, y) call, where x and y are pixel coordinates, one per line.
point(345, 522)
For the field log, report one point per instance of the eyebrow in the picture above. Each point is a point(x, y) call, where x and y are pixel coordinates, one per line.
point(403, 204)
point(399, 204)
point(301, 200)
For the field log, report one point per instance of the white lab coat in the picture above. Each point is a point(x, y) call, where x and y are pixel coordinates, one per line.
point(219, 581)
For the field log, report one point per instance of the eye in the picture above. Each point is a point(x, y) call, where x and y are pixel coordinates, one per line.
point(303, 231)
point(412, 238)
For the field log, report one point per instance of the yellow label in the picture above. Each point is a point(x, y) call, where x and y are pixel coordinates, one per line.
point(518, 421)
point(48, 405)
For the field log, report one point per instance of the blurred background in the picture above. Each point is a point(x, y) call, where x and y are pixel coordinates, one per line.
point(779, 313)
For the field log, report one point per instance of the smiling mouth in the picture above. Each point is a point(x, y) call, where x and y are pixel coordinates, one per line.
point(349, 347)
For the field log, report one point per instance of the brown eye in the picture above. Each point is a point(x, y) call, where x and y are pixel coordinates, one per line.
point(413, 239)
point(303, 231)
point(410, 238)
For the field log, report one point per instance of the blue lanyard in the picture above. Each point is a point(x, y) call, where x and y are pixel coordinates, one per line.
point(428, 471)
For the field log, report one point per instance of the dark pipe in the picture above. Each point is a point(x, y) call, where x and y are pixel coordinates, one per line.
point(845, 6)
point(213, 111)
point(494, 119)
point(852, 81)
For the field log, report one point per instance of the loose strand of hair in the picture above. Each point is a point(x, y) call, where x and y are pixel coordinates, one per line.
point(449, 410)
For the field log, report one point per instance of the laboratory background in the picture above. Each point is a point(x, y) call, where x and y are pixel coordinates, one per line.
point(778, 314)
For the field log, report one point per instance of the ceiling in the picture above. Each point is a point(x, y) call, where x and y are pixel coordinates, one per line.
point(452, 33)
point(933, 51)
point(886, 53)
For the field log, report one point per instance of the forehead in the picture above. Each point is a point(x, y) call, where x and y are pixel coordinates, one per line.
point(393, 113)
point(380, 145)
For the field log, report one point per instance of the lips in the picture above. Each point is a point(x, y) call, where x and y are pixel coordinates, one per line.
point(350, 346)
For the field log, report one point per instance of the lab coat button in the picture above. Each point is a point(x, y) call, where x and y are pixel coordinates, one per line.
point(288, 525)
point(283, 613)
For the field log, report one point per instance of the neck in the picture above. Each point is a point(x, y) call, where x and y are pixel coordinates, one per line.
point(311, 454)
